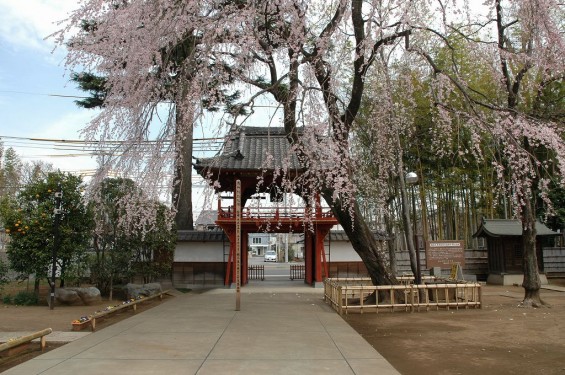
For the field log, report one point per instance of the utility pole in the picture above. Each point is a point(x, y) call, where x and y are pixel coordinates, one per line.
point(56, 243)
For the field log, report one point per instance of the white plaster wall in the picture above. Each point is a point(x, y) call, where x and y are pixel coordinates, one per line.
point(342, 251)
point(199, 252)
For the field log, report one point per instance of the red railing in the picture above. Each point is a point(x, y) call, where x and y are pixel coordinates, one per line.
point(274, 213)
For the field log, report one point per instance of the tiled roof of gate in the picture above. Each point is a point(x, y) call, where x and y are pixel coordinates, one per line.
point(216, 235)
point(501, 227)
point(248, 147)
point(206, 217)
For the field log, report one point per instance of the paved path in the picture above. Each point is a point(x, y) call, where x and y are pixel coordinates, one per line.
point(555, 288)
point(278, 331)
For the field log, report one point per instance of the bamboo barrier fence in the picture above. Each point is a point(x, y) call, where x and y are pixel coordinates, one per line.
point(352, 295)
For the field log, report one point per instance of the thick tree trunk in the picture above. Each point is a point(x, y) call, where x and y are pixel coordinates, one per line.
point(182, 191)
point(532, 281)
point(409, 233)
point(363, 241)
point(390, 244)
point(36, 287)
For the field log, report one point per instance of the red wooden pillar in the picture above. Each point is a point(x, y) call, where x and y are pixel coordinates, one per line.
point(321, 233)
point(319, 252)
point(230, 267)
point(244, 257)
point(308, 257)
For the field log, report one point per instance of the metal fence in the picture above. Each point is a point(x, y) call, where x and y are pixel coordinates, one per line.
point(297, 271)
point(256, 272)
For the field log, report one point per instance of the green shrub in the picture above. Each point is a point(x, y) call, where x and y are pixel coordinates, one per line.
point(4, 279)
point(7, 299)
point(25, 299)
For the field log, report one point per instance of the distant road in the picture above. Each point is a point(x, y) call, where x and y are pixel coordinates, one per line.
point(274, 271)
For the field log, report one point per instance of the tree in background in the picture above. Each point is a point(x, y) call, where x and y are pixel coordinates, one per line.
point(29, 219)
point(10, 171)
point(153, 249)
point(4, 278)
point(524, 56)
point(313, 60)
point(34, 171)
point(179, 59)
point(125, 242)
point(493, 102)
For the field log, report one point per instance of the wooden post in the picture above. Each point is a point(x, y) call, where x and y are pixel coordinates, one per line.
point(238, 245)
point(26, 339)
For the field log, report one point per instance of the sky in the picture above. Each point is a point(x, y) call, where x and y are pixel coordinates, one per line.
point(36, 96)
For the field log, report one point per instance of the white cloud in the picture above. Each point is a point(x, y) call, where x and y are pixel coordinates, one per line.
point(66, 127)
point(25, 23)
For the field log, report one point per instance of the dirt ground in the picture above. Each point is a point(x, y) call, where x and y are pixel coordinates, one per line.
point(501, 338)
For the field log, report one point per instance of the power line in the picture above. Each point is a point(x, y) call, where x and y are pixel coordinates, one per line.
point(93, 148)
point(43, 94)
point(88, 97)
point(82, 141)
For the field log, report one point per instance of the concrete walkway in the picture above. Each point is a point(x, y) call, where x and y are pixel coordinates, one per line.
point(555, 288)
point(279, 330)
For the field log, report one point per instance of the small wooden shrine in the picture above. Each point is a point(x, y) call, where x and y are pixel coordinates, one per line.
point(253, 154)
point(505, 249)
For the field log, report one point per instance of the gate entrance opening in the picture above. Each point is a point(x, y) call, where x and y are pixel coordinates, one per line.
point(312, 223)
point(275, 257)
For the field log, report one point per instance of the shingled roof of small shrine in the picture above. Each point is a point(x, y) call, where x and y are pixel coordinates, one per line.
point(503, 228)
point(247, 148)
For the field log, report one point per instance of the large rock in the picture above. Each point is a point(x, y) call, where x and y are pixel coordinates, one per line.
point(77, 296)
point(67, 297)
point(89, 296)
point(139, 290)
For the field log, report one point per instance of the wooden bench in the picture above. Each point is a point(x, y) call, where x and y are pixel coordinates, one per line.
point(91, 320)
point(18, 344)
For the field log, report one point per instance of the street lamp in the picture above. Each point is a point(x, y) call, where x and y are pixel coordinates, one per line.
point(412, 179)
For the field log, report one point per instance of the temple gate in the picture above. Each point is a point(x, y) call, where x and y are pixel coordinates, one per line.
point(244, 158)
